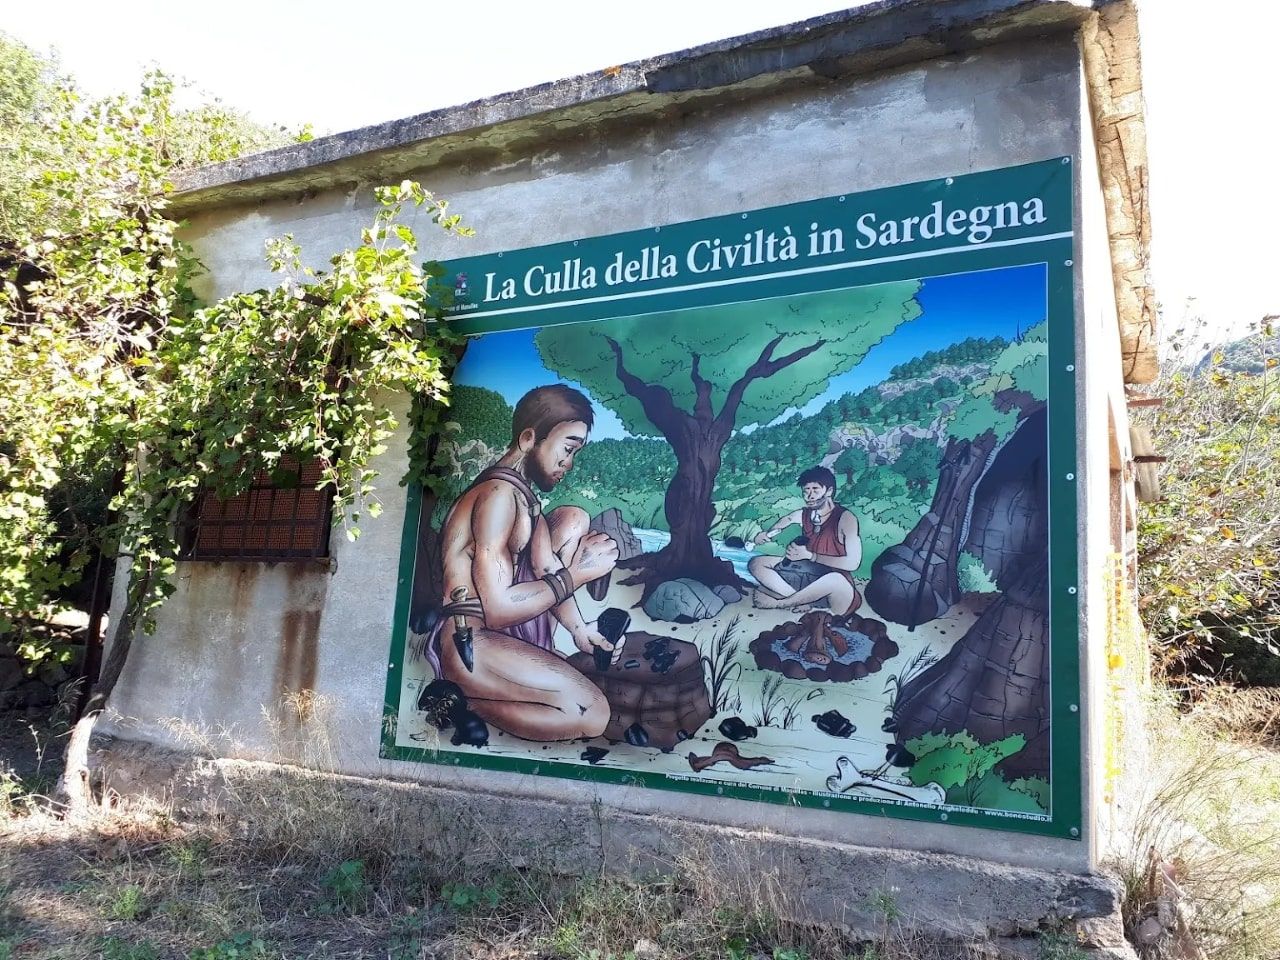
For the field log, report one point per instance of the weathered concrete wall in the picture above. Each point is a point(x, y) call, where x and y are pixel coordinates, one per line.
point(1104, 426)
point(235, 638)
point(841, 884)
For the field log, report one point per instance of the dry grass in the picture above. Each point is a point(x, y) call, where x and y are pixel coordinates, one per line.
point(1244, 714)
point(302, 865)
point(1207, 827)
point(135, 884)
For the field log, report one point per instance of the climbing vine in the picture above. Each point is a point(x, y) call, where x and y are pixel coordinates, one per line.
point(113, 376)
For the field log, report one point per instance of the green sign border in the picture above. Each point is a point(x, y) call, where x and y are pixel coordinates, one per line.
point(1055, 177)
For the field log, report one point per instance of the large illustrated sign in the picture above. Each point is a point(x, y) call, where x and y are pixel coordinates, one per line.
point(777, 505)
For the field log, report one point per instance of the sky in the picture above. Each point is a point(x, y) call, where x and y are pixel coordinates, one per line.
point(987, 303)
point(1207, 71)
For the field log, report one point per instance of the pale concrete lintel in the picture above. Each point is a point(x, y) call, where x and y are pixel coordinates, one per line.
point(846, 43)
point(1113, 72)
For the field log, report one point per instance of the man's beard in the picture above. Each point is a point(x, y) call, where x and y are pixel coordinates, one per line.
point(541, 479)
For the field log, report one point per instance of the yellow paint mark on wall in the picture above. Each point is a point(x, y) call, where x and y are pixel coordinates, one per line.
point(1125, 673)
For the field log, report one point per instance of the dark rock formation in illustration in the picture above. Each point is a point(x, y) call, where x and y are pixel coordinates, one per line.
point(683, 601)
point(916, 582)
point(1009, 522)
point(991, 506)
point(667, 705)
point(994, 682)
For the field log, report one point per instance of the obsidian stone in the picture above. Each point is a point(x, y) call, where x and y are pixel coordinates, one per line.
point(613, 623)
point(440, 700)
point(735, 728)
point(593, 755)
point(899, 756)
point(834, 724)
point(469, 730)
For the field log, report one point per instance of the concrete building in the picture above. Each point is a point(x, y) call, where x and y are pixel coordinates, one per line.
point(899, 92)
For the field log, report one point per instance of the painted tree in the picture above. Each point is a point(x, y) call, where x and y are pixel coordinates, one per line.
point(918, 462)
point(482, 415)
point(694, 376)
point(852, 462)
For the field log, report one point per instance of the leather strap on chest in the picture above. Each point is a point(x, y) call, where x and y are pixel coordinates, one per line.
point(532, 503)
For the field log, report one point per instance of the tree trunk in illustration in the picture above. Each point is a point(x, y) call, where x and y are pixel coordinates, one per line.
point(916, 581)
point(994, 682)
point(690, 512)
point(697, 439)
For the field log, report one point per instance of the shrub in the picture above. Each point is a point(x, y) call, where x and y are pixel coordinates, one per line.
point(1209, 550)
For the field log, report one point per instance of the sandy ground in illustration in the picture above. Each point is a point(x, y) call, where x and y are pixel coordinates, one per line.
point(803, 756)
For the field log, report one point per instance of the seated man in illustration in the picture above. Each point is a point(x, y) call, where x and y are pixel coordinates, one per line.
point(818, 566)
point(511, 572)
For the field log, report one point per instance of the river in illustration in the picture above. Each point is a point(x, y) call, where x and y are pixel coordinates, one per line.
point(654, 540)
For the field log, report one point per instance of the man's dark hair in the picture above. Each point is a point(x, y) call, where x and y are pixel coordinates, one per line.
point(544, 407)
point(820, 475)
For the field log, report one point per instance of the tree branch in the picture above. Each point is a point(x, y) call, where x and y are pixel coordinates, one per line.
point(702, 386)
point(766, 365)
point(656, 401)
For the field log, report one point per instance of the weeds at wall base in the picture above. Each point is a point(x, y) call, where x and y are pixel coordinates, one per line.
point(298, 863)
point(1201, 862)
point(139, 884)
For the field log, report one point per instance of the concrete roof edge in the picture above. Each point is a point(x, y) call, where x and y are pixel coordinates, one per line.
point(1113, 75)
point(828, 43)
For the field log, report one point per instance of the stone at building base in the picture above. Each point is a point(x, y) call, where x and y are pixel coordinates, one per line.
point(994, 909)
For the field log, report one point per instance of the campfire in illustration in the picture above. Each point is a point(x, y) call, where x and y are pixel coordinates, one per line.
point(825, 646)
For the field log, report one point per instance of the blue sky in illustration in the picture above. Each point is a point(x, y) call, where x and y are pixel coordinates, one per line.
point(987, 303)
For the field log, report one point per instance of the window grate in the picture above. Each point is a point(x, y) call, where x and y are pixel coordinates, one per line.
point(269, 521)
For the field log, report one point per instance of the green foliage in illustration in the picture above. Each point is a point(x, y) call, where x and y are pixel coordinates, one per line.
point(965, 768)
point(852, 463)
point(917, 463)
point(967, 351)
point(1021, 368)
point(1026, 362)
point(977, 415)
point(974, 577)
point(880, 486)
point(727, 340)
point(992, 792)
point(953, 759)
point(481, 414)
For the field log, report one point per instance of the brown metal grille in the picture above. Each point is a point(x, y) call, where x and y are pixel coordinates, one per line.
point(267, 522)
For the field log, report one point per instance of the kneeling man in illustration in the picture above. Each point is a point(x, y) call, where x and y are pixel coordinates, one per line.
point(817, 567)
point(511, 572)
